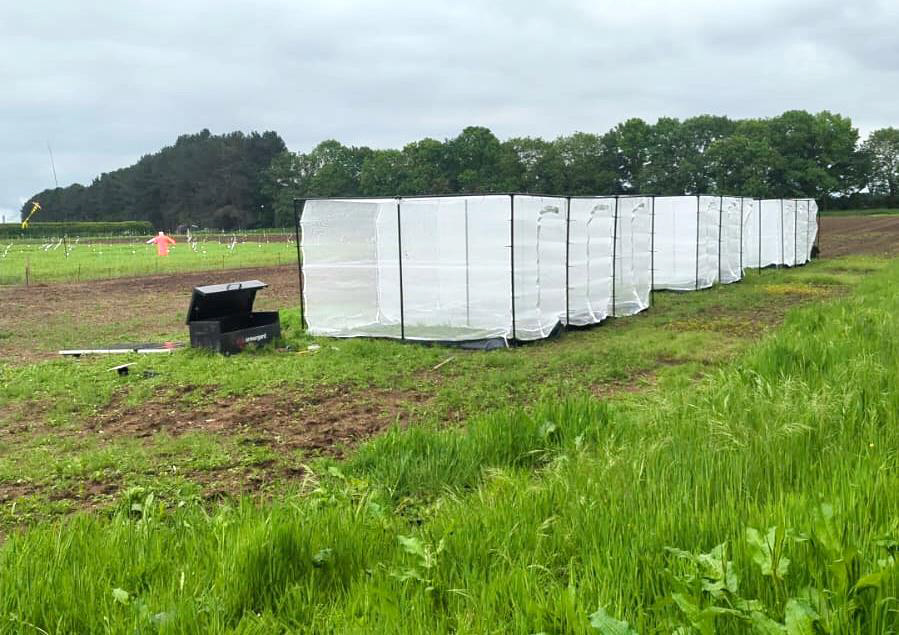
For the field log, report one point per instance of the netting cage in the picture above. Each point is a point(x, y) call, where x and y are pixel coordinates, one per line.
point(485, 270)
point(472, 268)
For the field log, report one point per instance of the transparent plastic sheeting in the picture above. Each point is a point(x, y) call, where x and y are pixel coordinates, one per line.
point(459, 268)
point(516, 267)
point(780, 232)
point(686, 242)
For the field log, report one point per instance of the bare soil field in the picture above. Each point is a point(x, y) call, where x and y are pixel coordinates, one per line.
point(151, 305)
point(844, 235)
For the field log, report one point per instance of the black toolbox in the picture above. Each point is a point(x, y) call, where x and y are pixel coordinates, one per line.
point(221, 318)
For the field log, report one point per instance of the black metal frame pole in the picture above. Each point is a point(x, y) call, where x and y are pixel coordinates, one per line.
point(782, 258)
point(399, 244)
point(720, 215)
point(298, 208)
point(512, 257)
point(614, 254)
point(742, 201)
point(652, 250)
point(759, 212)
point(697, 243)
point(567, 260)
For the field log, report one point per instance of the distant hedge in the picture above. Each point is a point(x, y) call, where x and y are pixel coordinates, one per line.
point(76, 228)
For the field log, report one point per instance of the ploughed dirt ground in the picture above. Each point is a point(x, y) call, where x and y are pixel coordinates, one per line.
point(85, 314)
point(875, 235)
point(326, 422)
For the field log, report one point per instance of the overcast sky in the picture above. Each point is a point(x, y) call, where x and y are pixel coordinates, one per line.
point(106, 82)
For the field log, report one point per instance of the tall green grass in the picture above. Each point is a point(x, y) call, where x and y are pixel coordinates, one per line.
point(764, 499)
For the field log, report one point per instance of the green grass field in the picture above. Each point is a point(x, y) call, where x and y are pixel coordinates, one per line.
point(697, 467)
point(90, 259)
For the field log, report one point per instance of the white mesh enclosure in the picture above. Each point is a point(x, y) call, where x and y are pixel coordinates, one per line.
point(730, 267)
point(790, 232)
point(456, 267)
point(516, 267)
point(633, 257)
point(707, 241)
point(675, 242)
point(539, 234)
point(770, 232)
point(590, 259)
point(686, 242)
point(351, 281)
point(811, 228)
point(751, 233)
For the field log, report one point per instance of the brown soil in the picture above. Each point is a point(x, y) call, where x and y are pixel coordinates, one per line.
point(875, 235)
point(327, 422)
point(150, 304)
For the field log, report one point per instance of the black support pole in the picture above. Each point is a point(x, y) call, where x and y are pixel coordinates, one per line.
point(781, 233)
point(741, 236)
point(614, 253)
point(652, 250)
point(759, 210)
point(512, 257)
point(567, 260)
point(298, 208)
point(399, 244)
point(720, 215)
point(697, 241)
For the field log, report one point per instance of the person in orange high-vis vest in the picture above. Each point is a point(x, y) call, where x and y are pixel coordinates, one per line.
point(162, 243)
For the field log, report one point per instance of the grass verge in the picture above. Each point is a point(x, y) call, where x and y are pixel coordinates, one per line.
point(764, 498)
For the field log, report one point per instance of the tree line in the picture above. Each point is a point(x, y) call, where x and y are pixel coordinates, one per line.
point(795, 154)
point(203, 179)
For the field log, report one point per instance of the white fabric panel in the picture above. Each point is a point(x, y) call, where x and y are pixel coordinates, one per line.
point(686, 242)
point(675, 242)
point(456, 280)
point(458, 272)
point(812, 229)
point(801, 231)
point(709, 220)
point(751, 236)
point(539, 227)
point(790, 233)
point(632, 255)
point(590, 259)
point(807, 227)
point(346, 270)
point(771, 228)
point(731, 245)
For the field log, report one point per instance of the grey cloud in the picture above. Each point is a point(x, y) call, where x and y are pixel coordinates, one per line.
point(108, 82)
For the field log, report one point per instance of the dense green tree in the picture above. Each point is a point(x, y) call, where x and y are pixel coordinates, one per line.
point(203, 179)
point(627, 144)
point(383, 173)
point(427, 168)
point(474, 160)
point(589, 165)
point(252, 180)
point(530, 164)
point(817, 154)
point(881, 150)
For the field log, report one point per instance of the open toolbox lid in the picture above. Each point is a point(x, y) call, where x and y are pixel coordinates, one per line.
point(216, 301)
